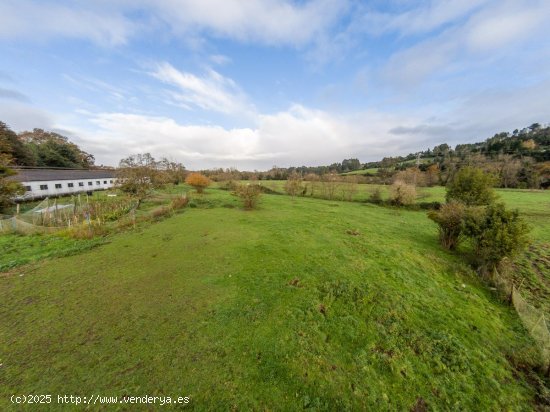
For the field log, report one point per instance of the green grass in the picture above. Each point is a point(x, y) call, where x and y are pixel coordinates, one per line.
point(371, 171)
point(16, 250)
point(534, 205)
point(302, 304)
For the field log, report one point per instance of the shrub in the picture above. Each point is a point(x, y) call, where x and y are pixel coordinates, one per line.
point(294, 186)
point(450, 221)
point(197, 181)
point(496, 234)
point(250, 194)
point(161, 212)
point(471, 186)
point(179, 202)
point(402, 194)
point(349, 188)
point(228, 185)
point(376, 196)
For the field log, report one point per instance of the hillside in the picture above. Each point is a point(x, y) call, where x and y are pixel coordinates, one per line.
point(302, 304)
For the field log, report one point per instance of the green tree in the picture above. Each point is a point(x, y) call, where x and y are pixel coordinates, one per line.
point(8, 188)
point(471, 186)
point(496, 233)
point(50, 149)
point(13, 147)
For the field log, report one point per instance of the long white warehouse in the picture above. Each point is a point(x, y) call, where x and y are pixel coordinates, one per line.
point(40, 183)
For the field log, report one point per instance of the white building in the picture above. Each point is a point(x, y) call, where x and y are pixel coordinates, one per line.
point(41, 183)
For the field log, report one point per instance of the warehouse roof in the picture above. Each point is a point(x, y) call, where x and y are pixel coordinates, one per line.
point(40, 175)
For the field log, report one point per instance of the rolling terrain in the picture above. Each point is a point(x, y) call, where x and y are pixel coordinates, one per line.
point(301, 304)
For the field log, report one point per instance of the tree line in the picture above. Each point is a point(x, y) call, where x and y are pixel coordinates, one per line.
point(40, 148)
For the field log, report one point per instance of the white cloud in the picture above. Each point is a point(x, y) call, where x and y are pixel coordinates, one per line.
point(425, 18)
point(495, 31)
point(36, 20)
point(266, 21)
point(115, 22)
point(507, 25)
point(297, 136)
point(212, 91)
point(220, 59)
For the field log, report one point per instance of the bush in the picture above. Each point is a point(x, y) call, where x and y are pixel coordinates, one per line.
point(250, 194)
point(376, 196)
point(496, 234)
point(402, 194)
point(471, 186)
point(228, 185)
point(179, 202)
point(197, 181)
point(450, 221)
point(161, 212)
point(294, 186)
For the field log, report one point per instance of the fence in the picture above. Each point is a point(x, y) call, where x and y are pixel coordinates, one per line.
point(16, 225)
point(533, 319)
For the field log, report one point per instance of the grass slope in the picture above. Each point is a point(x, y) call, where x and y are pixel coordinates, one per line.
point(301, 304)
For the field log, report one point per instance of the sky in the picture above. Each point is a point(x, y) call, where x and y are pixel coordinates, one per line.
point(257, 83)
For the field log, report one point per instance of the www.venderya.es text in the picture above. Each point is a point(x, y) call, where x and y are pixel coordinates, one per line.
point(95, 399)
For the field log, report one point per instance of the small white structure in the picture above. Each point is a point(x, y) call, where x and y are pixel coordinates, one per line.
point(40, 183)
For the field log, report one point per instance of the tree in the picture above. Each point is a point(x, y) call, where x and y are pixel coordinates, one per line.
point(471, 186)
point(51, 149)
point(13, 147)
point(8, 188)
point(138, 175)
point(411, 176)
point(173, 172)
point(509, 169)
point(198, 181)
point(432, 175)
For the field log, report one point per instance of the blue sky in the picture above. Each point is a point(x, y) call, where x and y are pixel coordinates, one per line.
point(251, 84)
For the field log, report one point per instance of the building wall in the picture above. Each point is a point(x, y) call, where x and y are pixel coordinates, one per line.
point(53, 188)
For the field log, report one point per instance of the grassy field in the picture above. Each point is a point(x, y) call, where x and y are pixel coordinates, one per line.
point(302, 304)
point(371, 171)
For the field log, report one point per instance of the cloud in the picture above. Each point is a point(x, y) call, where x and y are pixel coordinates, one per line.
point(21, 117)
point(220, 59)
point(427, 17)
point(507, 25)
point(296, 136)
point(491, 33)
point(113, 23)
point(40, 20)
point(264, 21)
point(212, 91)
point(13, 95)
